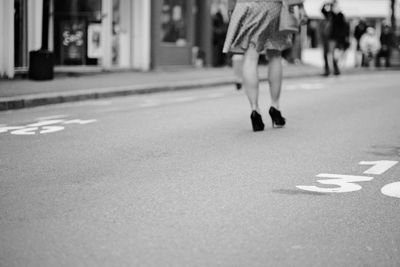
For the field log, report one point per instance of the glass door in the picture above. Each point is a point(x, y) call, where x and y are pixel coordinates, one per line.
point(175, 33)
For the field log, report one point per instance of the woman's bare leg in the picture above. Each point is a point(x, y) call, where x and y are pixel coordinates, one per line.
point(275, 76)
point(237, 65)
point(250, 77)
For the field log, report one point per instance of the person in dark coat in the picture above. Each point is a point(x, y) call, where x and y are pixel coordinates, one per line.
point(219, 33)
point(335, 35)
point(386, 40)
point(359, 31)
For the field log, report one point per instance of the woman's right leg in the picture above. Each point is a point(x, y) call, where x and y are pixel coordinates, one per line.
point(250, 77)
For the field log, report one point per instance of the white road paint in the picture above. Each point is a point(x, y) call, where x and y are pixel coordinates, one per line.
point(81, 122)
point(391, 190)
point(304, 86)
point(5, 128)
point(379, 167)
point(51, 129)
point(25, 131)
point(344, 183)
point(42, 126)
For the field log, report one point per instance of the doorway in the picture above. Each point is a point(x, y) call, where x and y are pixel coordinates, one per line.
point(173, 32)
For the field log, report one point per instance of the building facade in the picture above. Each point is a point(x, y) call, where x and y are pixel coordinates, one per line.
point(128, 34)
point(108, 34)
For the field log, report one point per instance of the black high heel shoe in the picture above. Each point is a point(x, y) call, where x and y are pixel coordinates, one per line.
point(256, 121)
point(277, 120)
point(238, 85)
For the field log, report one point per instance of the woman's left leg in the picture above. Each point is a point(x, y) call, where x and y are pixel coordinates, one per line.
point(275, 76)
point(275, 87)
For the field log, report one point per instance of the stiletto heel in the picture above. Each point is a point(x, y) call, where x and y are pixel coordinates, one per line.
point(277, 120)
point(256, 121)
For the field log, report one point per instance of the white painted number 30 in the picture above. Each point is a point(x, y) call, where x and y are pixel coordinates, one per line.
point(348, 183)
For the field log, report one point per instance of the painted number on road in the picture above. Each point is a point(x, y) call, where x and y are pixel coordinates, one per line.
point(344, 183)
point(43, 126)
point(349, 183)
point(379, 167)
point(391, 190)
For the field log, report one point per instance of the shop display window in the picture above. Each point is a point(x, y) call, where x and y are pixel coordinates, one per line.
point(77, 32)
point(173, 26)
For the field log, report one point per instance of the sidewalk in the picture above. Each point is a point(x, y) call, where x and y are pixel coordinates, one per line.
point(24, 93)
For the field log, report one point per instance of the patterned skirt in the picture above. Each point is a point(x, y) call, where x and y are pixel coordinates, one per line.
point(256, 23)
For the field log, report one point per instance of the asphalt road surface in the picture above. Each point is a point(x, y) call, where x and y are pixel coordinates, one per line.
point(179, 179)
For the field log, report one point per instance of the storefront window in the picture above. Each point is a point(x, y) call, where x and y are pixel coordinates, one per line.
point(173, 26)
point(77, 32)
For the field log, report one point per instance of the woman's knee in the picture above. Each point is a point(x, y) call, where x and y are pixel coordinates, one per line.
point(251, 53)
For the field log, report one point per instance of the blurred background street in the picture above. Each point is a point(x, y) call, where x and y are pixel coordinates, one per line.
point(126, 139)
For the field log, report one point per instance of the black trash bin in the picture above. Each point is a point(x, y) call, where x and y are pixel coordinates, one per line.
point(41, 65)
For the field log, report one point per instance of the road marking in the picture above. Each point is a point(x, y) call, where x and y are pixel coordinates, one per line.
point(380, 167)
point(305, 86)
point(391, 190)
point(345, 183)
point(43, 126)
point(26, 131)
point(4, 128)
point(81, 122)
point(51, 129)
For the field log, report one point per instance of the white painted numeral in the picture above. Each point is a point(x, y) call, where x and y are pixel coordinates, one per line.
point(345, 183)
point(5, 129)
point(391, 190)
point(379, 167)
point(51, 129)
point(25, 131)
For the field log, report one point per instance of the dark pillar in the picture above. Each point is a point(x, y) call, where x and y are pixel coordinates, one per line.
point(41, 62)
point(204, 30)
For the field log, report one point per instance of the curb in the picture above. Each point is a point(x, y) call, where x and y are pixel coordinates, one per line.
point(35, 100)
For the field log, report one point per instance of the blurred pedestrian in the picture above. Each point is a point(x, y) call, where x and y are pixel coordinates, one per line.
point(219, 33)
point(370, 46)
point(359, 31)
point(335, 35)
point(253, 30)
point(386, 40)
